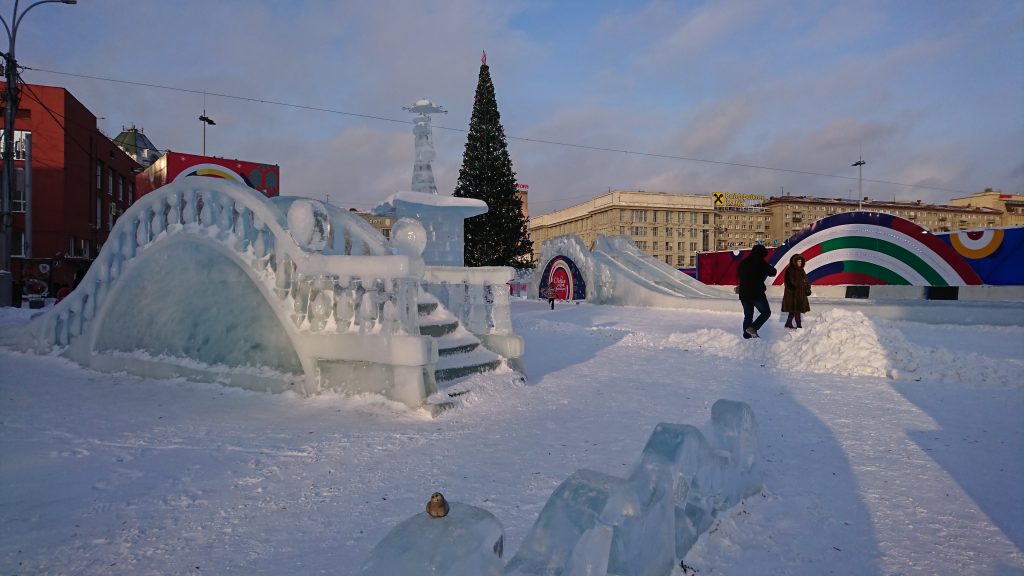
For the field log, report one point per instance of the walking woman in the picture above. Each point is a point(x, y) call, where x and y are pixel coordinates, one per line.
point(794, 296)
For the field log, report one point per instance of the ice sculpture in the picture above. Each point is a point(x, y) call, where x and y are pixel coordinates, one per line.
point(207, 279)
point(422, 173)
point(594, 523)
point(643, 524)
point(617, 272)
point(442, 216)
point(469, 541)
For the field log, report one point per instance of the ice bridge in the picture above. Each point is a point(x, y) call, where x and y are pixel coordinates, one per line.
point(207, 279)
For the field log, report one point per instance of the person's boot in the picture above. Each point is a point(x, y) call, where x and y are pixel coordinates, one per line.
point(789, 321)
point(798, 324)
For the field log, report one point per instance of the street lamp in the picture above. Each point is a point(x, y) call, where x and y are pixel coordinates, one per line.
point(11, 77)
point(860, 189)
point(205, 120)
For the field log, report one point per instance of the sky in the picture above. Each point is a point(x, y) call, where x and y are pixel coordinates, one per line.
point(886, 448)
point(752, 97)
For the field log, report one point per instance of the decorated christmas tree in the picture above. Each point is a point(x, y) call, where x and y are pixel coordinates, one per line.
point(500, 236)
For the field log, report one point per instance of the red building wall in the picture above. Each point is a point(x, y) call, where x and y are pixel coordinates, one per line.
point(67, 152)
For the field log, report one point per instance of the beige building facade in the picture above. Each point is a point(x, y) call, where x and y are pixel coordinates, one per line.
point(790, 214)
point(1010, 206)
point(670, 227)
point(674, 227)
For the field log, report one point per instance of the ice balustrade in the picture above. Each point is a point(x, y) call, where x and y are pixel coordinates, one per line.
point(478, 297)
point(336, 286)
point(596, 523)
point(368, 292)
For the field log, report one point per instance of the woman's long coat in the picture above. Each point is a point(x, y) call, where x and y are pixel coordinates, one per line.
point(794, 296)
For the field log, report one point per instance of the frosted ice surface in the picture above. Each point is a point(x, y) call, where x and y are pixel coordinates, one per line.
point(575, 529)
point(469, 541)
point(596, 524)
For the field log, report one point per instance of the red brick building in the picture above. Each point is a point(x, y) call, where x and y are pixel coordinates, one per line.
point(80, 183)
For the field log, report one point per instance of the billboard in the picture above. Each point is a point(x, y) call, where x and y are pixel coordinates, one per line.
point(264, 178)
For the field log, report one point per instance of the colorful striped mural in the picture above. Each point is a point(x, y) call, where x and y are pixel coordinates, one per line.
point(874, 248)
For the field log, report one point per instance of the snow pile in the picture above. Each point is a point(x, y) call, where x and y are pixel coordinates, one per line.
point(845, 343)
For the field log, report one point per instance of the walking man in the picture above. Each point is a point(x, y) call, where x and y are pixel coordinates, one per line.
point(753, 271)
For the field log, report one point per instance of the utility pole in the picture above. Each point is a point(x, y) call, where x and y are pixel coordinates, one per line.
point(10, 113)
point(860, 188)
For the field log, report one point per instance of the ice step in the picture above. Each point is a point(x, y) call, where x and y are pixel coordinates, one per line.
point(456, 366)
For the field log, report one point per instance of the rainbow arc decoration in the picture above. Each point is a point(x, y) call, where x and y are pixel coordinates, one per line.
point(873, 248)
point(213, 171)
point(563, 278)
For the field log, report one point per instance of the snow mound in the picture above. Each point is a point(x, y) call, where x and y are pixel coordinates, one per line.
point(847, 343)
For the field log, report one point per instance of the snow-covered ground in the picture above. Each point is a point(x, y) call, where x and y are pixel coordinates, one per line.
point(888, 448)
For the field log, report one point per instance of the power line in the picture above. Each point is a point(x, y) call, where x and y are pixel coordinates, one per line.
point(519, 138)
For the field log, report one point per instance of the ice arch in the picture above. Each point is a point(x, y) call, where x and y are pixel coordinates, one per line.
point(205, 278)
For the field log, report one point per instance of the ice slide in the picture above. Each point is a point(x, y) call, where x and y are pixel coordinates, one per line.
point(617, 272)
point(651, 272)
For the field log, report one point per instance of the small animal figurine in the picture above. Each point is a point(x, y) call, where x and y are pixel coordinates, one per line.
point(438, 506)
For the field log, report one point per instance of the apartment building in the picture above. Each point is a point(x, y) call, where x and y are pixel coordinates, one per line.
point(1010, 206)
point(670, 227)
point(790, 214)
point(675, 227)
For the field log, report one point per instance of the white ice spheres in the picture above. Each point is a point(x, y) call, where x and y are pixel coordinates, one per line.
point(309, 224)
point(595, 523)
point(408, 237)
point(469, 541)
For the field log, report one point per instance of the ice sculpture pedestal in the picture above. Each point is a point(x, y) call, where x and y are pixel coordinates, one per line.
point(443, 219)
point(469, 541)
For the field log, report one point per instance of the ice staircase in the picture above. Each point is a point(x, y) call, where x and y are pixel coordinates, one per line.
point(459, 352)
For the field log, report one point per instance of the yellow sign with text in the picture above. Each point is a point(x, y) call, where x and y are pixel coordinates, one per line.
point(734, 199)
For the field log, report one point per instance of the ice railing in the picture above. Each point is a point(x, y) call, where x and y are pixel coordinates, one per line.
point(335, 279)
point(478, 297)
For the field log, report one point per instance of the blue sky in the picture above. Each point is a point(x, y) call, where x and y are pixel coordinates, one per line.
point(931, 93)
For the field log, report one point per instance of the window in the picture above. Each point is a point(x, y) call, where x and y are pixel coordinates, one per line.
point(110, 182)
point(99, 174)
point(654, 216)
point(120, 188)
point(654, 230)
point(18, 200)
point(131, 193)
point(99, 213)
point(639, 216)
point(681, 246)
point(705, 240)
point(622, 215)
point(668, 247)
point(17, 243)
point(638, 231)
point(705, 220)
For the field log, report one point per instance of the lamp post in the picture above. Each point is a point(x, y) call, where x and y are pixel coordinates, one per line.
point(205, 120)
point(860, 189)
point(10, 111)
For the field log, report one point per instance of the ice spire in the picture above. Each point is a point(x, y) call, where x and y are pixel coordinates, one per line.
point(422, 173)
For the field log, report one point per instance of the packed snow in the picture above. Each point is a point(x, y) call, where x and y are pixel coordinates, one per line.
point(886, 447)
